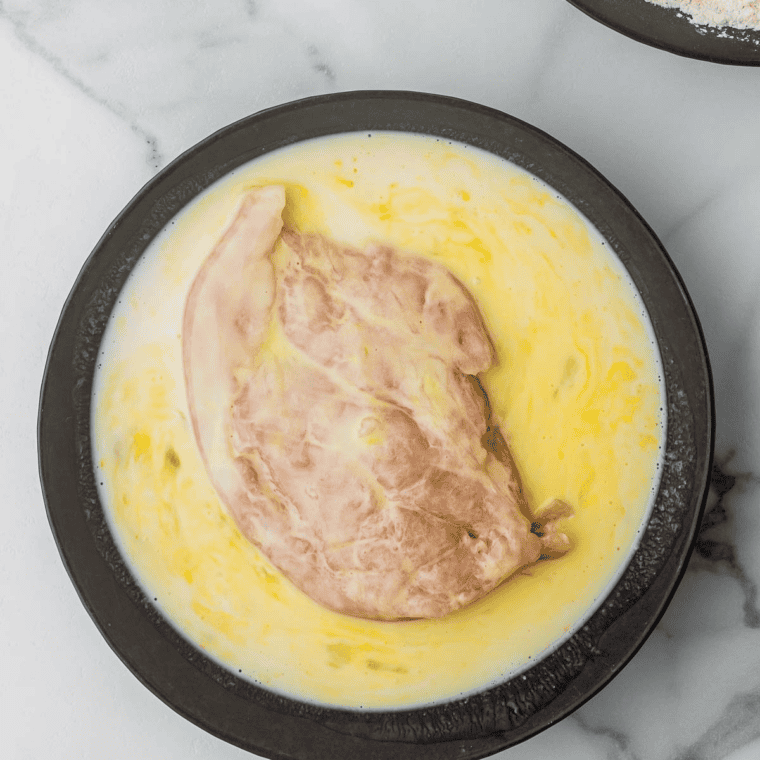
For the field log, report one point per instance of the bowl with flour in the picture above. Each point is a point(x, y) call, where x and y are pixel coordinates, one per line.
point(589, 367)
point(721, 31)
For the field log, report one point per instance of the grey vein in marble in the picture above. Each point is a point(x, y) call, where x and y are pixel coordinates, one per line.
point(153, 80)
point(738, 725)
point(319, 65)
point(154, 158)
point(621, 742)
point(719, 553)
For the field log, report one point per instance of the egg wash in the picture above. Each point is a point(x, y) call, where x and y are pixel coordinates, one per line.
point(577, 389)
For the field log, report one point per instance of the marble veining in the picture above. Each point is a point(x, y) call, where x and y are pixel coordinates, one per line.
point(153, 157)
point(101, 96)
point(737, 726)
point(715, 543)
point(618, 742)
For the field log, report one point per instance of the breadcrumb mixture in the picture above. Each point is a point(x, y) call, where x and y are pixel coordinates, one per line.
point(739, 14)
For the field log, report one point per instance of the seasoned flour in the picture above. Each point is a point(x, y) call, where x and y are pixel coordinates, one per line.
point(739, 14)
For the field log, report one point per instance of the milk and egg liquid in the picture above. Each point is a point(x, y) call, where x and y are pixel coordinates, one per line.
point(577, 390)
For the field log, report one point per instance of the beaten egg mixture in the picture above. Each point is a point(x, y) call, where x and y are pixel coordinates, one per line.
point(576, 389)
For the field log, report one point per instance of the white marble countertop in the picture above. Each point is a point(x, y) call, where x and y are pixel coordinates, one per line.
point(96, 97)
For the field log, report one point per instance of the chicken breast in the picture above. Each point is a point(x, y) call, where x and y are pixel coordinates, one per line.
point(335, 401)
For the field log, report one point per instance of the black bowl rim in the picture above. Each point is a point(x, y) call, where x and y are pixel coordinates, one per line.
point(670, 30)
point(272, 726)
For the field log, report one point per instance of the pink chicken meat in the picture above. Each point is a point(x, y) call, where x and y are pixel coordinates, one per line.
point(360, 456)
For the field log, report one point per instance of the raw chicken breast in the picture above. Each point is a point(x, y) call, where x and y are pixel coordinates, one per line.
point(335, 401)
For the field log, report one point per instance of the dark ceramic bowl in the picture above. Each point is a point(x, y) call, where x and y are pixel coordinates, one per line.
point(278, 727)
point(669, 29)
